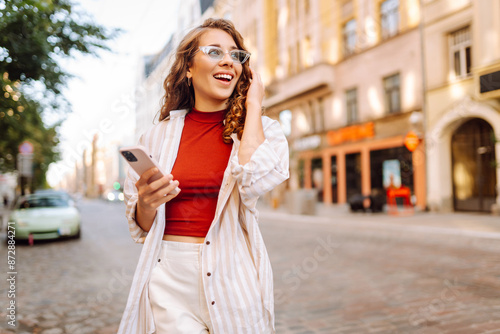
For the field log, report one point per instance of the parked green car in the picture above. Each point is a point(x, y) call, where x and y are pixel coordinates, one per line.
point(46, 216)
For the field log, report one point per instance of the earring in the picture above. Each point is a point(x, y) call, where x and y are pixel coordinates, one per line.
point(189, 81)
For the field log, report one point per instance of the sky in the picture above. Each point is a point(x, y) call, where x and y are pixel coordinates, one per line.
point(102, 92)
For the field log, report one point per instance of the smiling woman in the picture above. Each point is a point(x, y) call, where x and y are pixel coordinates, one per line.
point(204, 267)
point(180, 94)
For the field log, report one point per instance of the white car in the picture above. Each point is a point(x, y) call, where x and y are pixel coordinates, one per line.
point(46, 216)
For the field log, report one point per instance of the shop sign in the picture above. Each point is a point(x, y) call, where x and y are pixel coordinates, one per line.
point(412, 141)
point(307, 143)
point(350, 133)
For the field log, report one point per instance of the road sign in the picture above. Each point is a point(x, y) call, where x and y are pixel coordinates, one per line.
point(26, 147)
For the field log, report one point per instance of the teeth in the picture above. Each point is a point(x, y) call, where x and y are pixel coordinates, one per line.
point(223, 76)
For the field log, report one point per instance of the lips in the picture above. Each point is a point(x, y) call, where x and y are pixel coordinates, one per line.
point(225, 77)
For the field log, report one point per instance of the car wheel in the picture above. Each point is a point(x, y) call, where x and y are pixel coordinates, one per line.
point(79, 233)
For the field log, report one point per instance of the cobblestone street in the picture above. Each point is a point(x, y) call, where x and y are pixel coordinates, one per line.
point(353, 274)
point(347, 276)
point(77, 286)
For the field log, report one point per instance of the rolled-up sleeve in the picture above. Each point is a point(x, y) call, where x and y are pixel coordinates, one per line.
point(267, 168)
point(131, 197)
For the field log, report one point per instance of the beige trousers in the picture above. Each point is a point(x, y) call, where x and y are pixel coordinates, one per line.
point(176, 290)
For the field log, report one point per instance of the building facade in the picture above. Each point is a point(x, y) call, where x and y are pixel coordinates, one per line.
point(345, 80)
point(462, 57)
point(154, 68)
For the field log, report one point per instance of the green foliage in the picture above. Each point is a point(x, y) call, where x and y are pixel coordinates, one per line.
point(36, 33)
point(35, 36)
point(20, 122)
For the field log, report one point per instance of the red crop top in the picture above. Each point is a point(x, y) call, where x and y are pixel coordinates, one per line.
point(199, 167)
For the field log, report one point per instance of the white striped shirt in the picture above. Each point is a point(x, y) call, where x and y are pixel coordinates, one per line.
point(239, 291)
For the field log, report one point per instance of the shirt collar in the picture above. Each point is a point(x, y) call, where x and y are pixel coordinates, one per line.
point(178, 113)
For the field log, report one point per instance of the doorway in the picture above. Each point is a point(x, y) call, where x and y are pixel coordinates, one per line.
point(474, 166)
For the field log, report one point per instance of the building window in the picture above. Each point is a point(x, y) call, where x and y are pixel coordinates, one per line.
point(286, 121)
point(392, 92)
point(389, 18)
point(349, 37)
point(351, 102)
point(460, 53)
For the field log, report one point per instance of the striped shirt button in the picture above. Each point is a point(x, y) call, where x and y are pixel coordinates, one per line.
point(208, 242)
point(213, 302)
point(209, 274)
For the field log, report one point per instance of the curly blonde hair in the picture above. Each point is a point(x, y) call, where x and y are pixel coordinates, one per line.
point(180, 95)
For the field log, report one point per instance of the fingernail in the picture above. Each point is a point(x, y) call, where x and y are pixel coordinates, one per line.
point(155, 170)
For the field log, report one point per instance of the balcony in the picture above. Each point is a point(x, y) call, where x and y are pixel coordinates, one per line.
point(312, 78)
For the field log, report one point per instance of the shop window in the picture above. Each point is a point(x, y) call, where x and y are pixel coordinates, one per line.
point(349, 37)
point(460, 53)
point(392, 94)
point(389, 18)
point(380, 159)
point(351, 102)
point(353, 174)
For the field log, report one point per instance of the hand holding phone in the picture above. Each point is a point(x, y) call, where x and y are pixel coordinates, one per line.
point(140, 161)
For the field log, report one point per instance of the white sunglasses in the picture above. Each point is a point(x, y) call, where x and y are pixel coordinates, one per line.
point(216, 53)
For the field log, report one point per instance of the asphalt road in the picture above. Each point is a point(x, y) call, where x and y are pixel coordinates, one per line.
point(330, 277)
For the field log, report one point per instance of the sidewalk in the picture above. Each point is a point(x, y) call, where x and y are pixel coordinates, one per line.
point(470, 224)
point(4, 217)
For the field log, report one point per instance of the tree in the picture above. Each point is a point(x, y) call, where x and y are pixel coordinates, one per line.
point(35, 36)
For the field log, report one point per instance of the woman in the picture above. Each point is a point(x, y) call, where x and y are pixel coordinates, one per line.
point(204, 267)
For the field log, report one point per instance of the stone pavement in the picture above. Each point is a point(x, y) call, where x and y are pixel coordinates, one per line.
point(344, 273)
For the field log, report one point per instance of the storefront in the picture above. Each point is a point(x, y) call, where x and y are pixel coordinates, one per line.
point(363, 159)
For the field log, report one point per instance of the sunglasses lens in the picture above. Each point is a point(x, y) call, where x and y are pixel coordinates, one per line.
point(239, 56)
point(216, 53)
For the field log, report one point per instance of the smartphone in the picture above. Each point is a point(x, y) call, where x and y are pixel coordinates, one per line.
point(140, 160)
